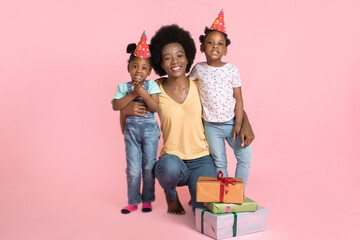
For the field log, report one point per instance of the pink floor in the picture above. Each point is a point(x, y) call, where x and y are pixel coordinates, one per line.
point(46, 212)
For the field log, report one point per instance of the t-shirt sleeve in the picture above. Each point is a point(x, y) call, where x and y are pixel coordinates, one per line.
point(120, 91)
point(154, 87)
point(236, 81)
point(194, 73)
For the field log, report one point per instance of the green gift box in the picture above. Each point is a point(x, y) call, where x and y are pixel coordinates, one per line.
point(248, 206)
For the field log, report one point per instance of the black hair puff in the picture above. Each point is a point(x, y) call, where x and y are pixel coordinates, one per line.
point(130, 49)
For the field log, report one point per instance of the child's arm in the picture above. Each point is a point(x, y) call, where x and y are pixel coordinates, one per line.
point(119, 104)
point(151, 101)
point(239, 112)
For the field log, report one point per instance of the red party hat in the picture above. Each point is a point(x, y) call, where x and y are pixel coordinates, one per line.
point(219, 23)
point(142, 49)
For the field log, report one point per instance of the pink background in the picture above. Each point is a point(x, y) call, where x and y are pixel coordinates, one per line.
point(62, 166)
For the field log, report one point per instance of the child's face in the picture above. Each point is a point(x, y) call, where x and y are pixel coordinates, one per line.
point(214, 46)
point(174, 60)
point(139, 69)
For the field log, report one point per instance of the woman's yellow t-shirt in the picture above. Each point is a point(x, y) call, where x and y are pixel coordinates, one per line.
point(181, 125)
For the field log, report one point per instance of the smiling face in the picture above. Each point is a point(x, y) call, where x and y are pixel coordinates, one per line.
point(214, 47)
point(139, 69)
point(174, 60)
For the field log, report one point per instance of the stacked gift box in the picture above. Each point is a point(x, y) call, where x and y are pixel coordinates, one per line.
point(227, 213)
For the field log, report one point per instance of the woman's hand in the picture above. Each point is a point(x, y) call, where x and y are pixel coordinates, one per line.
point(136, 109)
point(246, 132)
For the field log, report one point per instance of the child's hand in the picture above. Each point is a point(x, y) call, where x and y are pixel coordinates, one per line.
point(237, 128)
point(139, 89)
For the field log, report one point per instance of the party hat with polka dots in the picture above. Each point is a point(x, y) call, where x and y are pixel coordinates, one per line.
point(219, 23)
point(142, 49)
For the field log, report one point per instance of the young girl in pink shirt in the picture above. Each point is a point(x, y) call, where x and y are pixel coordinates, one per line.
point(220, 92)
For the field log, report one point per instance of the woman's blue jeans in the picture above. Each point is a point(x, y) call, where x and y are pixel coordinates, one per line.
point(141, 144)
point(171, 172)
point(216, 134)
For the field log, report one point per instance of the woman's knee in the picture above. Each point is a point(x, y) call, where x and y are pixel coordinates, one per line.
point(169, 167)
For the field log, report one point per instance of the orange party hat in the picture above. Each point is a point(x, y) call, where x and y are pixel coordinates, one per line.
point(142, 49)
point(219, 23)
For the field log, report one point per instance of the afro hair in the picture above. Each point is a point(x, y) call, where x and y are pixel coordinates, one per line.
point(171, 34)
point(208, 30)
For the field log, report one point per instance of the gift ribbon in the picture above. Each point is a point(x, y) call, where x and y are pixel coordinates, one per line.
point(225, 181)
point(224, 184)
point(227, 208)
point(234, 224)
point(202, 221)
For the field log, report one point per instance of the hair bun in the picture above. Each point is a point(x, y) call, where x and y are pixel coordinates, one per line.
point(131, 48)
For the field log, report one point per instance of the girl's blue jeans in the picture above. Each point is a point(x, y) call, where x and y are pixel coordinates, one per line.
point(216, 134)
point(171, 172)
point(141, 144)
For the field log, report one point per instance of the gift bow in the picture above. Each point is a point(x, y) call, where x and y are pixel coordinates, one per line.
point(224, 184)
point(225, 181)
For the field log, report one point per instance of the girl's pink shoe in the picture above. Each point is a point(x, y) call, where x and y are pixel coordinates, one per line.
point(146, 207)
point(128, 209)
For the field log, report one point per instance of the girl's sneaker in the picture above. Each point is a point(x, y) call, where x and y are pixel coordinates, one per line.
point(146, 207)
point(128, 209)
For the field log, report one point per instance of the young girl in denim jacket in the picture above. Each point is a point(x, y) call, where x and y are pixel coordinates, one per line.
point(220, 92)
point(141, 134)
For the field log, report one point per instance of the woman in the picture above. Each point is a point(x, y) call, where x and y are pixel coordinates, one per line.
point(185, 155)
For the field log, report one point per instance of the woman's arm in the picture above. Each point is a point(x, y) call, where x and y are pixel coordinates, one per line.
point(119, 104)
point(136, 109)
point(152, 102)
point(160, 80)
point(246, 132)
